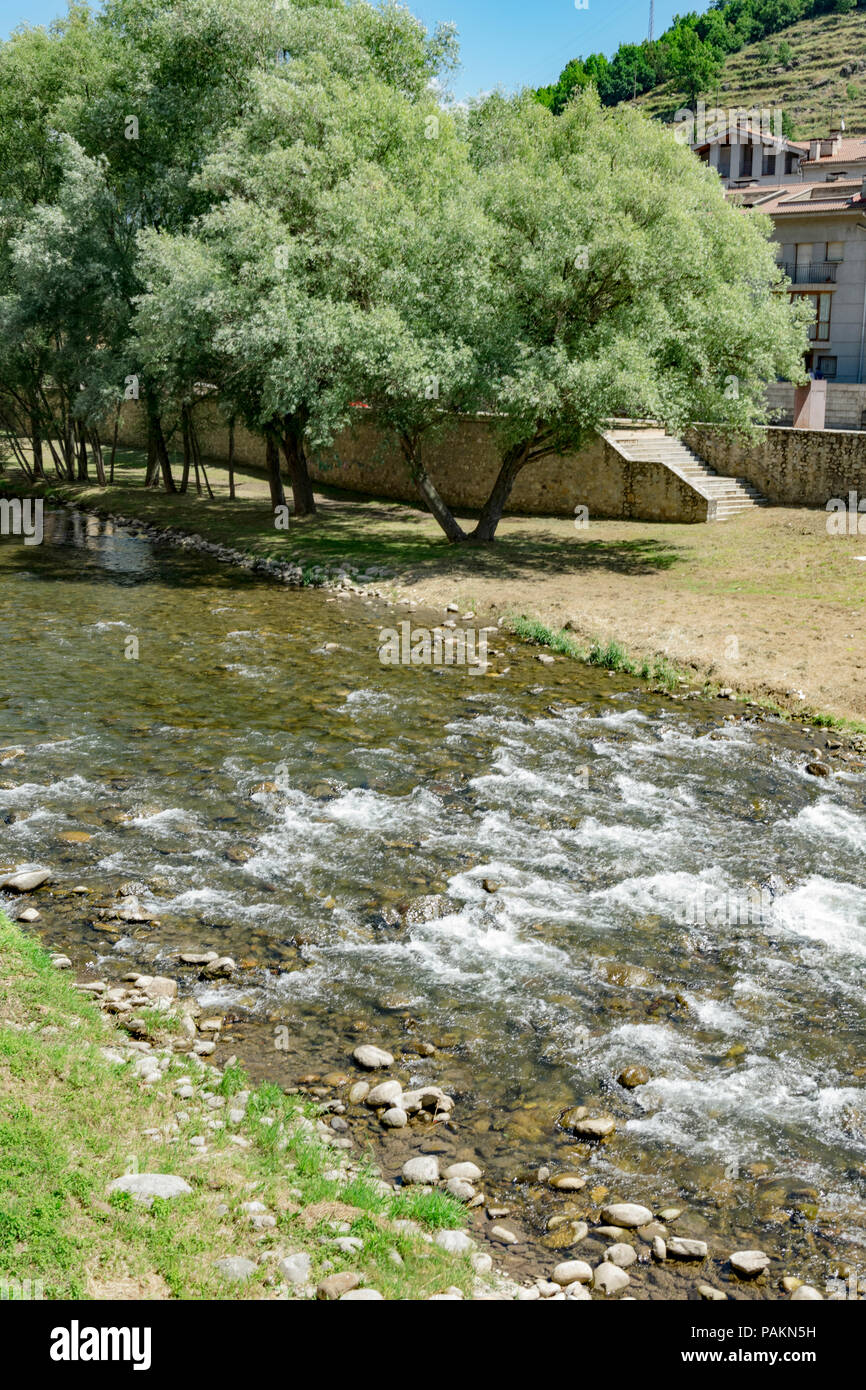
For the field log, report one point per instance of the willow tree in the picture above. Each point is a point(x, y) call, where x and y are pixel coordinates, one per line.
point(290, 294)
point(621, 283)
point(604, 274)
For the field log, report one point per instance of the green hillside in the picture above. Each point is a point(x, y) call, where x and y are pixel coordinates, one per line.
point(824, 78)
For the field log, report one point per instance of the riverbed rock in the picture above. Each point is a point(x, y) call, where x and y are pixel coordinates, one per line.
point(633, 1076)
point(626, 1214)
point(423, 1169)
point(621, 1254)
point(359, 1092)
point(335, 1285)
point(463, 1191)
point(31, 915)
point(221, 968)
point(682, 1249)
point(504, 1235)
point(593, 1127)
point(567, 1182)
point(362, 1296)
point(371, 1058)
point(466, 1172)
point(805, 1294)
point(394, 1118)
point(385, 1094)
point(818, 769)
point(749, 1263)
point(26, 880)
point(572, 1272)
point(610, 1278)
point(143, 1187)
point(161, 987)
point(707, 1292)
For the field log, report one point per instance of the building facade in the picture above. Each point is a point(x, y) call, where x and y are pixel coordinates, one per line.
point(815, 193)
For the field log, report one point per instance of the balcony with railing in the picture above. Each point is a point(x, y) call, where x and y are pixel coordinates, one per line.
point(818, 273)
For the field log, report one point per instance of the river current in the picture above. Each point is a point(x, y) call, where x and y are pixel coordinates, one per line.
point(549, 875)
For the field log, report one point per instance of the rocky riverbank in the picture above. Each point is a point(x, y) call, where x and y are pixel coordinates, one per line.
point(595, 1245)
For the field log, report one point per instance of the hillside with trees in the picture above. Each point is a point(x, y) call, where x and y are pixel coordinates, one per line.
point(807, 56)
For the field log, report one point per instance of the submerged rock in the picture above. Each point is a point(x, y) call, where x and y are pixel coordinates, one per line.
point(26, 881)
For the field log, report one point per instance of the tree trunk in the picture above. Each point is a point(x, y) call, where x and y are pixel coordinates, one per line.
point(82, 473)
point(197, 458)
point(36, 442)
point(160, 458)
point(232, 459)
point(275, 482)
point(491, 513)
point(96, 450)
point(296, 459)
point(187, 448)
point(114, 446)
point(428, 491)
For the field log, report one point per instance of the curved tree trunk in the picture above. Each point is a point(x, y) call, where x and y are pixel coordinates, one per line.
point(428, 491)
point(491, 513)
point(292, 439)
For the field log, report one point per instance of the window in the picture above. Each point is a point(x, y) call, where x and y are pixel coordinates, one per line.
point(791, 162)
point(746, 152)
point(819, 332)
point(725, 161)
point(835, 251)
point(768, 163)
point(827, 366)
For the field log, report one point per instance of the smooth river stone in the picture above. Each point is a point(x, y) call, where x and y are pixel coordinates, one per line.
point(683, 1249)
point(423, 1169)
point(572, 1272)
point(26, 881)
point(749, 1262)
point(385, 1094)
point(610, 1278)
point(626, 1214)
point(371, 1058)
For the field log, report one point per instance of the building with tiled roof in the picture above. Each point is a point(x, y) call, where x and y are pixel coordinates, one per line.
point(815, 193)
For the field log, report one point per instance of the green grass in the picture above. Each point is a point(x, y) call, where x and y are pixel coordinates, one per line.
point(611, 655)
point(71, 1121)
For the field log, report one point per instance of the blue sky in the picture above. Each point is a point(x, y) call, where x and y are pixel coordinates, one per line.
point(509, 43)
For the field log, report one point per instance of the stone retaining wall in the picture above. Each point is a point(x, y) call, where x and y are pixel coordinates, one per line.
point(796, 468)
point(464, 465)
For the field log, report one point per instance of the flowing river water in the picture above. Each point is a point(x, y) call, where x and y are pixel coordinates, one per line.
point(545, 875)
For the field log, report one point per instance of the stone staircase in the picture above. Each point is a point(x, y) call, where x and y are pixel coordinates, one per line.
point(727, 496)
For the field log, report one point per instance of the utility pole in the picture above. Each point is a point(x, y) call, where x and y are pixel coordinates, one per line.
point(652, 16)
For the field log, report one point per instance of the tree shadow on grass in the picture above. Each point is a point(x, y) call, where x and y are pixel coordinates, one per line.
point(371, 532)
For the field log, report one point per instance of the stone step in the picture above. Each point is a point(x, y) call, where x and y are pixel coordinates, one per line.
point(731, 496)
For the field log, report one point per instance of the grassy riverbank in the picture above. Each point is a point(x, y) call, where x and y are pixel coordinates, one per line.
point(767, 603)
point(72, 1120)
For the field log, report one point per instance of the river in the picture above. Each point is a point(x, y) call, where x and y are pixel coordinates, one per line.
point(547, 876)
